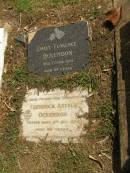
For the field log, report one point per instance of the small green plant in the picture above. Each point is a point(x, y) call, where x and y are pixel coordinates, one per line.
point(105, 112)
point(2, 171)
point(95, 12)
point(8, 141)
point(23, 5)
point(58, 2)
point(106, 129)
point(73, 161)
point(22, 77)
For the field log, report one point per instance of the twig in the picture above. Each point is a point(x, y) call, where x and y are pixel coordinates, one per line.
point(20, 21)
point(19, 164)
point(103, 141)
point(106, 155)
point(97, 161)
point(106, 70)
point(11, 109)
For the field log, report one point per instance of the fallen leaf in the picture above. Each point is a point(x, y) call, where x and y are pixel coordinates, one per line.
point(113, 16)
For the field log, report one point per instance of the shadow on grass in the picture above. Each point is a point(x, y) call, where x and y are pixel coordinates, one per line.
point(116, 149)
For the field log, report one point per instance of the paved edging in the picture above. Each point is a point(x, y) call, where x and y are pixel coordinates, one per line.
point(121, 105)
point(121, 87)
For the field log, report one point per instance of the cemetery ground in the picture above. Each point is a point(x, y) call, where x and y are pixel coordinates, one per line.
point(95, 154)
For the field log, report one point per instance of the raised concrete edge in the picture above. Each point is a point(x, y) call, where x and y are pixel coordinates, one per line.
point(122, 112)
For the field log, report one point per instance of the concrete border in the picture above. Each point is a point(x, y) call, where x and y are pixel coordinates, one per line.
point(121, 87)
point(121, 105)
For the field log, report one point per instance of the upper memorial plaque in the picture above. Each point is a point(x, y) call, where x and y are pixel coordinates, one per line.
point(59, 50)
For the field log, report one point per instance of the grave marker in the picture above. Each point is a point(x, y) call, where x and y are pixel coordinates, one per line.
point(3, 44)
point(58, 115)
point(59, 50)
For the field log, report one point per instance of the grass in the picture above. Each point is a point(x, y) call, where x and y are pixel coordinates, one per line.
point(95, 12)
point(2, 171)
point(22, 77)
point(73, 161)
point(105, 109)
point(105, 113)
point(28, 5)
point(9, 143)
point(58, 2)
point(23, 5)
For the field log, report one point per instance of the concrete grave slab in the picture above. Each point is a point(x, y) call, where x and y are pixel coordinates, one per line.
point(57, 115)
point(59, 50)
point(3, 44)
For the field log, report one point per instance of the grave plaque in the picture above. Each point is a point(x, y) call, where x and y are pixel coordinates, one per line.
point(3, 44)
point(59, 50)
point(57, 115)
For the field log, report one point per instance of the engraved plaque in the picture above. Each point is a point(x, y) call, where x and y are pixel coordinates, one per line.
point(57, 115)
point(59, 50)
point(3, 44)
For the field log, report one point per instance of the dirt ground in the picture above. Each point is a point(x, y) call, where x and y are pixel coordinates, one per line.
point(95, 154)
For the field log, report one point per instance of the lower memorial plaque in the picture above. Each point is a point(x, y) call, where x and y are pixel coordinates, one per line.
point(57, 115)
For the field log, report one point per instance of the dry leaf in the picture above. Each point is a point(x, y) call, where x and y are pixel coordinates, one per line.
point(113, 16)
